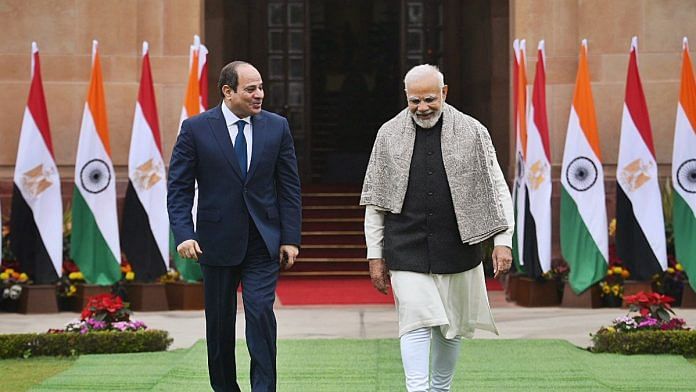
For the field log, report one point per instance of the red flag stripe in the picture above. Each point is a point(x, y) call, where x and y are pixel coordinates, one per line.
point(635, 101)
point(539, 100)
point(37, 103)
point(146, 98)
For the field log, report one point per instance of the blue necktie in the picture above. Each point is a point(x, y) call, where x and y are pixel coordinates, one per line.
point(240, 148)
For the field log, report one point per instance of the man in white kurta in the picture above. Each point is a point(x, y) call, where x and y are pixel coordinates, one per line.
point(433, 191)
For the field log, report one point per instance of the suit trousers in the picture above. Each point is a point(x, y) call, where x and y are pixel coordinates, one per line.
point(258, 274)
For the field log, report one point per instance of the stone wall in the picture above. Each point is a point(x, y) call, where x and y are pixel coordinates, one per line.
point(64, 30)
point(608, 26)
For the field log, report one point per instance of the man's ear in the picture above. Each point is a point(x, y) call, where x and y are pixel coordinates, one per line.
point(444, 92)
point(226, 90)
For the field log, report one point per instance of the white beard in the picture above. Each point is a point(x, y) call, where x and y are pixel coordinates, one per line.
point(426, 124)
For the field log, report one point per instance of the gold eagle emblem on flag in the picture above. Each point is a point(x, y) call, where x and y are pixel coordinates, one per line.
point(148, 174)
point(536, 175)
point(636, 174)
point(35, 181)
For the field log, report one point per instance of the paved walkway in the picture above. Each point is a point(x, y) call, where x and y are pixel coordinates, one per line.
point(366, 321)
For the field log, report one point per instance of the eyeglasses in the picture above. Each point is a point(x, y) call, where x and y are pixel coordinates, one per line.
point(429, 100)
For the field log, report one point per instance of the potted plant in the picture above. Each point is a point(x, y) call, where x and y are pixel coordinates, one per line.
point(671, 281)
point(11, 282)
point(182, 295)
point(612, 285)
point(67, 287)
point(142, 296)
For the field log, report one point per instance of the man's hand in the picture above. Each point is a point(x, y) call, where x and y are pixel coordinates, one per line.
point(502, 260)
point(379, 275)
point(288, 254)
point(189, 249)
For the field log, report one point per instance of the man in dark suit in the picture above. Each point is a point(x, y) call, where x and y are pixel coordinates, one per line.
point(248, 220)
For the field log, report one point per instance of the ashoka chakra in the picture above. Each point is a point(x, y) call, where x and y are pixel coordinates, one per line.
point(686, 176)
point(95, 176)
point(581, 174)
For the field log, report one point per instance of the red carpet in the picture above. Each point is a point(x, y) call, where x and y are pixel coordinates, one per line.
point(330, 291)
point(338, 291)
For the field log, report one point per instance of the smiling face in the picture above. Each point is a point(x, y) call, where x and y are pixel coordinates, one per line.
point(247, 99)
point(425, 98)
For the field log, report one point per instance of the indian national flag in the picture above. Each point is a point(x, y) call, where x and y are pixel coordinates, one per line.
point(640, 227)
point(684, 171)
point(537, 230)
point(145, 223)
point(94, 241)
point(519, 191)
point(584, 241)
point(196, 98)
point(195, 102)
point(36, 223)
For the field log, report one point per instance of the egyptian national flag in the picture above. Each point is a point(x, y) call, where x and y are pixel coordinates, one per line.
point(195, 102)
point(94, 241)
point(537, 228)
point(584, 241)
point(36, 223)
point(145, 223)
point(640, 227)
point(684, 171)
point(519, 190)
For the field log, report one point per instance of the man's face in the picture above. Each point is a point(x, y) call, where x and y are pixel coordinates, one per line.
point(247, 100)
point(425, 98)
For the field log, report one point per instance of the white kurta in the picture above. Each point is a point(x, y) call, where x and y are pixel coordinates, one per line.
point(458, 303)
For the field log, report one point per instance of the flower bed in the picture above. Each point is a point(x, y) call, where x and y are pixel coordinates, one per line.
point(646, 342)
point(648, 328)
point(104, 327)
point(95, 342)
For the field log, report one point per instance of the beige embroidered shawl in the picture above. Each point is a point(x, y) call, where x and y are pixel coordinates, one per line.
point(466, 149)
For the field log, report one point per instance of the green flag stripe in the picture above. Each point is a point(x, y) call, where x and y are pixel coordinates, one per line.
point(88, 248)
point(586, 262)
point(189, 269)
point(684, 225)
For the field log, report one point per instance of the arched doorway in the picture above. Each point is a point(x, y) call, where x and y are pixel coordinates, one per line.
point(334, 67)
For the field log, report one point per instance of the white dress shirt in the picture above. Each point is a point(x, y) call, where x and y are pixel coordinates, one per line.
point(231, 121)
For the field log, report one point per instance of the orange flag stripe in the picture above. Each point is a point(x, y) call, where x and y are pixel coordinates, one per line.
point(687, 92)
point(97, 104)
point(584, 104)
point(192, 101)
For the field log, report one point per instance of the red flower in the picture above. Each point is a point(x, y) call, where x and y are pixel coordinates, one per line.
point(644, 299)
point(652, 304)
point(103, 303)
point(70, 266)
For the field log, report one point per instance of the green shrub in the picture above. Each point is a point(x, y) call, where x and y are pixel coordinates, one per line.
point(68, 344)
point(646, 342)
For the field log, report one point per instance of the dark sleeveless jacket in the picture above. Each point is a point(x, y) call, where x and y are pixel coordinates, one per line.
point(424, 237)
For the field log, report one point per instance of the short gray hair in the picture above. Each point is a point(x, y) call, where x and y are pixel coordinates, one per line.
point(422, 70)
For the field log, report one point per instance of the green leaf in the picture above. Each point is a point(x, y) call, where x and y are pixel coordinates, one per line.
point(662, 314)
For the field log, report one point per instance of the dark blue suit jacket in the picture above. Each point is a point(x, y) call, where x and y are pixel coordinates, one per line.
point(270, 195)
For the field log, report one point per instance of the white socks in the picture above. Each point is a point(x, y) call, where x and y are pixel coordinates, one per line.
point(418, 358)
